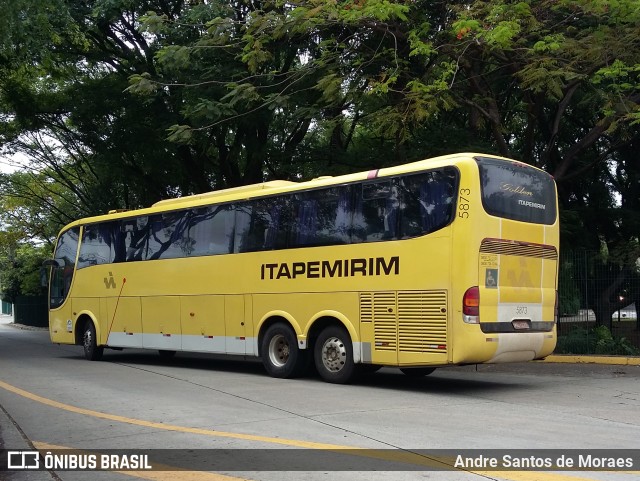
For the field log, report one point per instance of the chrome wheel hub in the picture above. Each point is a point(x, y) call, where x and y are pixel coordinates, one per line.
point(334, 354)
point(279, 351)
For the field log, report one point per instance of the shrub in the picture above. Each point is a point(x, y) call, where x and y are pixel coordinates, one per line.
point(598, 340)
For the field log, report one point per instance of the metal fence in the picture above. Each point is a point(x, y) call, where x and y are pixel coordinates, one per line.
point(6, 307)
point(31, 311)
point(598, 299)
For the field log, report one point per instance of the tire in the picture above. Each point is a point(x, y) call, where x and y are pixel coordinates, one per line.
point(417, 371)
point(333, 355)
point(281, 356)
point(164, 354)
point(92, 351)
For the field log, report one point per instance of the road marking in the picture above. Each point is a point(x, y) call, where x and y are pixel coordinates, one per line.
point(170, 427)
point(163, 473)
point(387, 455)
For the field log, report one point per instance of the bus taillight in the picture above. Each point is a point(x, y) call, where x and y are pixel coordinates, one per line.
point(555, 309)
point(471, 305)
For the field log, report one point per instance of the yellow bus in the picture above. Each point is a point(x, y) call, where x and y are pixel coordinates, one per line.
point(446, 261)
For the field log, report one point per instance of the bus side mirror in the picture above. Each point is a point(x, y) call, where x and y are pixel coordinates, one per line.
point(44, 270)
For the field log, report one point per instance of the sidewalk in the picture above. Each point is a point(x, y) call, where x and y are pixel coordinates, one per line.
point(594, 359)
point(11, 437)
point(6, 318)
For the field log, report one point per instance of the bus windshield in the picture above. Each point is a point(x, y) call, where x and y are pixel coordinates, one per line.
point(516, 191)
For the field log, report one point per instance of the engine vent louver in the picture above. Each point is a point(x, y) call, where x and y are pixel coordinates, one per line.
point(513, 248)
point(422, 321)
point(407, 321)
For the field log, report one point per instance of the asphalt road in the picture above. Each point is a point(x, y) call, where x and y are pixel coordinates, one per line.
point(225, 419)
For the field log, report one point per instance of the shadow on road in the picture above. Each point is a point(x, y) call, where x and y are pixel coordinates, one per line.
point(448, 380)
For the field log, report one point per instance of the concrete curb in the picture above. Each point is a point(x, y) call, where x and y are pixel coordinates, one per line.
point(611, 360)
point(11, 438)
point(24, 327)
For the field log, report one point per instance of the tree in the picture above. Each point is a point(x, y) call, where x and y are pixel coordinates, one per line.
point(20, 264)
point(557, 84)
point(63, 105)
point(276, 84)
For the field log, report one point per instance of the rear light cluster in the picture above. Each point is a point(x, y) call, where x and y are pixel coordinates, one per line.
point(471, 306)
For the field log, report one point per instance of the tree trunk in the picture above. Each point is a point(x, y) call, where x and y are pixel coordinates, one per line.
point(603, 313)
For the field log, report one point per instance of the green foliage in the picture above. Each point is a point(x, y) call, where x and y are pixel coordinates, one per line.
point(568, 292)
point(549, 43)
point(598, 340)
point(20, 269)
point(141, 84)
point(605, 343)
point(180, 133)
point(623, 75)
point(34, 208)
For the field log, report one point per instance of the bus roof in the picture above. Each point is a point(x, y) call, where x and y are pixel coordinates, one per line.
point(280, 186)
point(243, 189)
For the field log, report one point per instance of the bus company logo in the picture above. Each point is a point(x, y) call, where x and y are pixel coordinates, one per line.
point(533, 205)
point(371, 266)
point(110, 282)
point(23, 460)
point(516, 189)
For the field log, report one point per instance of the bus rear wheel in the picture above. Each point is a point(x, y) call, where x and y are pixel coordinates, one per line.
point(281, 356)
point(333, 355)
point(92, 351)
point(417, 371)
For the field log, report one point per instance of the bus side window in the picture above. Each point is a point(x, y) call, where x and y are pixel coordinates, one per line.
point(211, 229)
point(168, 236)
point(438, 195)
point(278, 222)
point(119, 253)
point(96, 245)
point(243, 224)
point(306, 222)
point(377, 212)
point(262, 224)
point(323, 217)
point(428, 202)
point(135, 238)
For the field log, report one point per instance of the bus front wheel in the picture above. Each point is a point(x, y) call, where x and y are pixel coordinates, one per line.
point(92, 351)
point(333, 355)
point(281, 356)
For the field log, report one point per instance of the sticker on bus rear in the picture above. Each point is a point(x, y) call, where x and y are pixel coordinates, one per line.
point(491, 278)
point(488, 260)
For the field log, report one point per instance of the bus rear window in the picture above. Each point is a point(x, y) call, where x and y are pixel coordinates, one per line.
point(515, 191)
